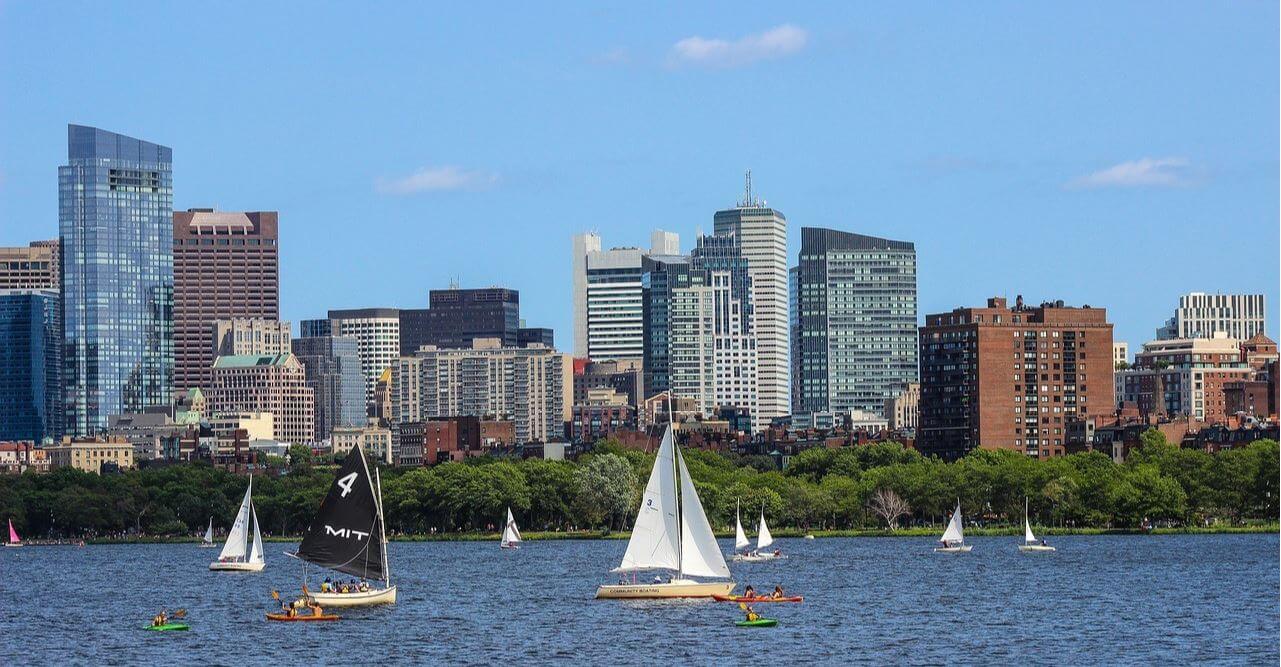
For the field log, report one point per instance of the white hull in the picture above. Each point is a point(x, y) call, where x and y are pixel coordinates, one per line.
point(1035, 547)
point(236, 567)
point(509, 546)
point(367, 598)
point(13, 544)
point(758, 558)
point(676, 589)
point(209, 545)
point(964, 549)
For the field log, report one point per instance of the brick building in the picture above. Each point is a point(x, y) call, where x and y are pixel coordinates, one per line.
point(1183, 377)
point(275, 384)
point(1002, 377)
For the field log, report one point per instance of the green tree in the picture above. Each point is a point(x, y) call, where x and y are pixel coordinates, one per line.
point(606, 488)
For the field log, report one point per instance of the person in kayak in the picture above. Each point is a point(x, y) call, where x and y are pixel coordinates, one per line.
point(749, 592)
point(751, 614)
point(160, 619)
point(778, 592)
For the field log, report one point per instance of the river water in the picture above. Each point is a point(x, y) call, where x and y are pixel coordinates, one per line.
point(1098, 600)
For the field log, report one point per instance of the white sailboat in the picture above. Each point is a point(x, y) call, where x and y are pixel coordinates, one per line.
point(348, 535)
point(740, 537)
point(239, 554)
point(1030, 543)
point(671, 533)
point(763, 539)
point(207, 541)
point(511, 534)
point(953, 539)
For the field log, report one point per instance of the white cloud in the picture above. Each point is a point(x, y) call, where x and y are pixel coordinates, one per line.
point(776, 42)
point(437, 179)
point(1166, 172)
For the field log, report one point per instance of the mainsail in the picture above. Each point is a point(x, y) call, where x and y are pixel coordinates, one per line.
point(13, 534)
point(656, 533)
point(954, 532)
point(347, 533)
point(255, 552)
point(237, 538)
point(700, 555)
point(740, 537)
point(763, 538)
point(209, 532)
point(1028, 537)
point(511, 534)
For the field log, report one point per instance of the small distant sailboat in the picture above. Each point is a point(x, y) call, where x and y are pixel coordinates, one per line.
point(953, 539)
point(348, 535)
point(207, 542)
point(763, 540)
point(239, 554)
point(1030, 543)
point(740, 538)
point(14, 540)
point(511, 534)
point(671, 532)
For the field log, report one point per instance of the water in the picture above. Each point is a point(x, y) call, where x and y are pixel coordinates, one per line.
point(1100, 600)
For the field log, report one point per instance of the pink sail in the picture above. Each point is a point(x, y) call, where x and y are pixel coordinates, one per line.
point(13, 534)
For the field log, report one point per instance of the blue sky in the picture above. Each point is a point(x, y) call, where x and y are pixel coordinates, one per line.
point(1115, 154)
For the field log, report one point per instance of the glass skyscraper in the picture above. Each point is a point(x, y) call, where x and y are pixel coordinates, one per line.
point(332, 365)
point(115, 222)
point(30, 365)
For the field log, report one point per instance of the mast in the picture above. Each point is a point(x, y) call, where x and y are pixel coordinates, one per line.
point(676, 468)
point(382, 523)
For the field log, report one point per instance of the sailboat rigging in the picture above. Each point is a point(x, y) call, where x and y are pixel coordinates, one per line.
point(953, 540)
point(239, 554)
point(207, 542)
point(1030, 543)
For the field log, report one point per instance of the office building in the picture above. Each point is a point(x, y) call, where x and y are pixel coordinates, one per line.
point(903, 410)
point(456, 317)
point(855, 323)
point(374, 440)
point(713, 360)
point(275, 384)
point(1013, 378)
point(377, 334)
point(414, 331)
point(1201, 315)
point(608, 310)
point(30, 365)
point(226, 266)
point(530, 386)
point(332, 367)
point(762, 233)
point(624, 377)
point(1184, 377)
point(115, 231)
point(32, 267)
point(91, 454)
point(526, 336)
point(250, 337)
point(661, 276)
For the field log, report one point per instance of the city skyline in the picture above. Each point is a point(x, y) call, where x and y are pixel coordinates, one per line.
point(1167, 172)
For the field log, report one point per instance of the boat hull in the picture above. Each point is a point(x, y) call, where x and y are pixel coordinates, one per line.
point(954, 550)
point(168, 627)
point(208, 546)
point(747, 600)
point(13, 545)
point(302, 617)
point(1035, 548)
point(758, 558)
point(676, 589)
point(758, 623)
point(368, 598)
point(218, 566)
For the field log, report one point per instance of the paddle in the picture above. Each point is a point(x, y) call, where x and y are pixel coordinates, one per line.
point(181, 613)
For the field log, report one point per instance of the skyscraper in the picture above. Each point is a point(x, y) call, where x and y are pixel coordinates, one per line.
point(456, 317)
point(377, 334)
point(32, 267)
point(226, 266)
point(30, 365)
point(332, 367)
point(115, 227)
point(1201, 315)
point(762, 233)
point(856, 342)
point(608, 310)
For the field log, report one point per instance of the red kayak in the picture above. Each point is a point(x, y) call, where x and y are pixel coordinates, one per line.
point(302, 617)
point(754, 600)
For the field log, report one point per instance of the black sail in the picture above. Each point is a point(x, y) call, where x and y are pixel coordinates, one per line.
point(346, 534)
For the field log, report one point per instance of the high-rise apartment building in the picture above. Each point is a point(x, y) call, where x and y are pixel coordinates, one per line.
point(1012, 378)
point(608, 310)
point(1120, 353)
point(713, 351)
point(529, 386)
point(30, 365)
point(275, 384)
point(855, 340)
point(332, 366)
point(115, 231)
point(226, 266)
point(255, 337)
point(762, 233)
point(377, 334)
point(1184, 377)
point(1201, 315)
point(32, 267)
point(662, 275)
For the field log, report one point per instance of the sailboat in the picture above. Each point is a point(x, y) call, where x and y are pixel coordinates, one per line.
point(511, 534)
point(1030, 543)
point(671, 532)
point(347, 535)
point(238, 554)
point(953, 539)
point(740, 538)
point(207, 542)
point(14, 540)
point(763, 540)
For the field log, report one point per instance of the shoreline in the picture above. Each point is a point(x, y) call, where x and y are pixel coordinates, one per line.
point(535, 536)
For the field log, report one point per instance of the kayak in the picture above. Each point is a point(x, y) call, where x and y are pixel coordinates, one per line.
point(168, 627)
point(303, 617)
point(753, 600)
point(758, 623)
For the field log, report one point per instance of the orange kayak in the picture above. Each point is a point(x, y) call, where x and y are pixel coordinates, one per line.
point(754, 600)
point(303, 617)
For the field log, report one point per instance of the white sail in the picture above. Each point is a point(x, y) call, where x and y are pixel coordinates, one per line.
point(1028, 537)
point(234, 549)
point(763, 538)
point(954, 532)
point(656, 533)
point(255, 553)
point(740, 537)
point(700, 554)
point(209, 532)
point(511, 534)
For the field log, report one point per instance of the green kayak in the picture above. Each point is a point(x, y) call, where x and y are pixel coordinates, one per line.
point(168, 627)
point(758, 623)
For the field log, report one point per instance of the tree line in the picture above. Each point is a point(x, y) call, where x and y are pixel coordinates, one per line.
point(875, 486)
